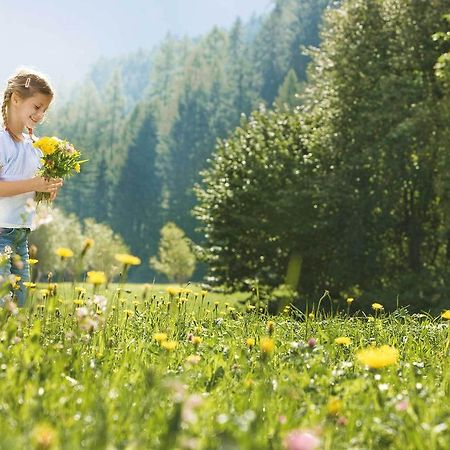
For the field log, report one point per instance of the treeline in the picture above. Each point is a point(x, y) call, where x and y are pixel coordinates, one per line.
point(351, 191)
point(149, 122)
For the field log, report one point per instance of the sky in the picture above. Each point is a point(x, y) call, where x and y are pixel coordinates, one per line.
point(64, 38)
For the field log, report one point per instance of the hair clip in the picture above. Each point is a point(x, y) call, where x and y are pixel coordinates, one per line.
point(27, 83)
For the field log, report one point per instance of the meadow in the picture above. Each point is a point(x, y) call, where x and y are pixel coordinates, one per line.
point(162, 367)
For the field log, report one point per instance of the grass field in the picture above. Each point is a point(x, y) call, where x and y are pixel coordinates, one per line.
point(197, 370)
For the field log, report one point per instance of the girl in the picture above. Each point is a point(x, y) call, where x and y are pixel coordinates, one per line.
point(25, 101)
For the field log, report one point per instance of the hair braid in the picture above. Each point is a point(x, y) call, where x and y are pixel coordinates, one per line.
point(6, 99)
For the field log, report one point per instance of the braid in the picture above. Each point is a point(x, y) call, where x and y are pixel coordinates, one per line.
point(6, 99)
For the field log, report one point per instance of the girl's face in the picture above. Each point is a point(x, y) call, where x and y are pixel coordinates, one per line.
point(30, 111)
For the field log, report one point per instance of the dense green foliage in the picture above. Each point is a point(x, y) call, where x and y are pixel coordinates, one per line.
point(149, 121)
point(375, 129)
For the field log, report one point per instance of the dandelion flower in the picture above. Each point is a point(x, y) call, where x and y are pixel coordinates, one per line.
point(267, 346)
point(377, 306)
point(95, 277)
point(343, 340)
point(47, 145)
point(29, 284)
point(169, 345)
point(250, 342)
point(378, 357)
point(196, 340)
point(64, 252)
point(160, 337)
point(334, 406)
point(44, 437)
point(128, 260)
point(32, 261)
point(446, 314)
point(350, 300)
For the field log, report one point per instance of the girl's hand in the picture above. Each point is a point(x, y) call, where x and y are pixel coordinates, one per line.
point(44, 185)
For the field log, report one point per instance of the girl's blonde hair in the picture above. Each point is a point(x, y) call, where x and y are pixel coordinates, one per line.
point(25, 83)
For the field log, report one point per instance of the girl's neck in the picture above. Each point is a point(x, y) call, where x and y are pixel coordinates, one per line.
point(15, 128)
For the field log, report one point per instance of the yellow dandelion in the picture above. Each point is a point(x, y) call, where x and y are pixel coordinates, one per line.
point(29, 284)
point(128, 312)
point(32, 261)
point(44, 292)
point(47, 145)
point(95, 277)
point(77, 167)
point(160, 337)
point(378, 357)
point(267, 346)
point(169, 345)
point(270, 327)
point(350, 300)
point(334, 406)
point(64, 252)
point(44, 437)
point(311, 315)
point(196, 340)
point(446, 314)
point(78, 302)
point(377, 306)
point(128, 260)
point(173, 291)
point(343, 340)
point(250, 342)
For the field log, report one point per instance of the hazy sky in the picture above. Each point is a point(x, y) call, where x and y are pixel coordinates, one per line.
point(63, 38)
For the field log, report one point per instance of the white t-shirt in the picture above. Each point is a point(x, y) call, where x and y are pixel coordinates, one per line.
point(18, 161)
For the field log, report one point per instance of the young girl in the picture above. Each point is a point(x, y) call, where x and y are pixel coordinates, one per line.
point(25, 100)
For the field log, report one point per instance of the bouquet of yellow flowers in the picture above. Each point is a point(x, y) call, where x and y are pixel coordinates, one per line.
point(60, 160)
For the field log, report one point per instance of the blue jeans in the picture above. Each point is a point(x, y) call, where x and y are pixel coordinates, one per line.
point(17, 262)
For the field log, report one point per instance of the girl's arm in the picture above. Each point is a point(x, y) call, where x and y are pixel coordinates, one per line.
point(36, 184)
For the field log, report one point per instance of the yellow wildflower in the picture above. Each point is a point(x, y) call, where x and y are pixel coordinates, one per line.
point(343, 340)
point(77, 167)
point(169, 345)
point(128, 260)
point(32, 261)
point(377, 306)
point(196, 340)
point(172, 291)
point(29, 284)
point(250, 342)
point(270, 327)
point(446, 314)
point(267, 346)
point(44, 437)
point(334, 406)
point(96, 277)
point(47, 145)
point(350, 300)
point(64, 252)
point(160, 337)
point(378, 357)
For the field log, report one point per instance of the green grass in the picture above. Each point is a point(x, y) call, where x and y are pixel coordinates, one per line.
point(103, 382)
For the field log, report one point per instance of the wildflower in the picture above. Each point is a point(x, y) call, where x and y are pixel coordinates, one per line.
point(311, 315)
point(169, 345)
point(44, 292)
point(378, 357)
point(350, 300)
point(172, 291)
point(267, 346)
point(96, 277)
point(196, 340)
point(446, 314)
point(78, 302)
point(377, 307)
point(160, 337)
point(203, 294)
point(343, 340)
point(402, 405)
point(250, 342)
point(301, 440)
point(32, 261)
point(128, 312)
point(334, 406)
point(29, 284)
point(270, 327)
point(64, 252)
point(44, 437)
point(101, 302)
point(312, 342)
point(128, 260)
point(47, 145)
